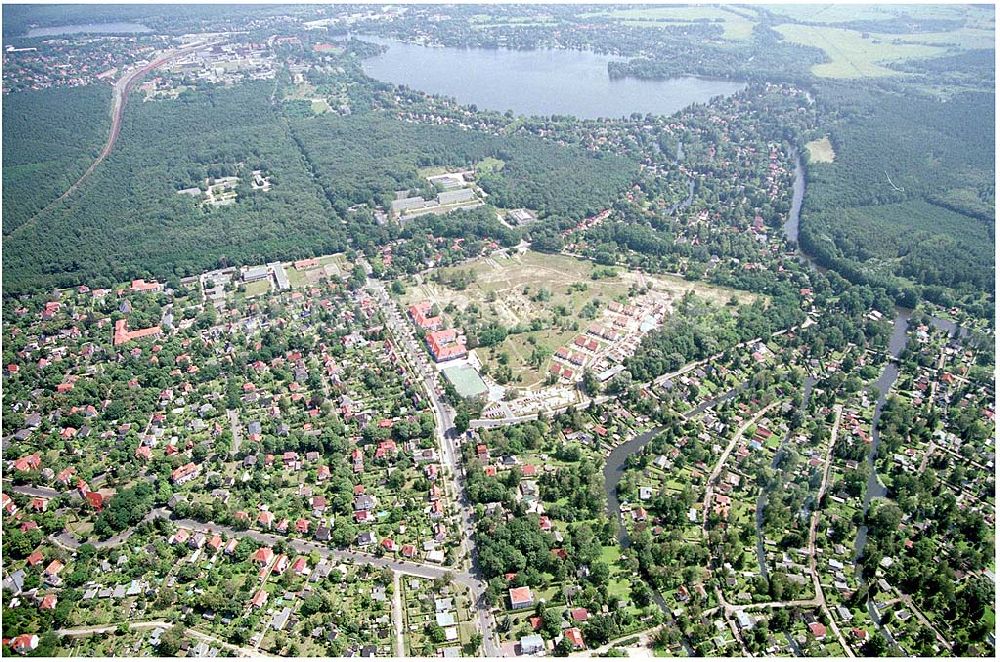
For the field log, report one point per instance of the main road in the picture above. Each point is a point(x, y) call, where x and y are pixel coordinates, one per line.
point(416, 356)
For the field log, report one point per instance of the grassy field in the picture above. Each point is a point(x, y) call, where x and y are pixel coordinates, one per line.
point(320, 106)
point(258, 288)
point(853, 55)
point(734, 26)
point(489, 164)
point(820, 150)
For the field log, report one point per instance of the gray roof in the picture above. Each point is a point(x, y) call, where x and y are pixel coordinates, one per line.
point(281, 618)
point(255, 273)
point(532, 641)
point(459, 195)
point(15, 582)
point(408, 203)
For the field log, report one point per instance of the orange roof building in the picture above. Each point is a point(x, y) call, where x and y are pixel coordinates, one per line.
point(122, 335)
point(444, 345)
point(420, 312)
point(521, 598)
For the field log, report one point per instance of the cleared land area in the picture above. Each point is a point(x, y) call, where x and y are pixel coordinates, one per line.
point(820, 150)
point(852, 54)
point(556, 292)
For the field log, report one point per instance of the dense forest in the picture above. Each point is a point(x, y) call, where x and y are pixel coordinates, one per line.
point(128, 220)
point(910, 198)
point(50, 137)
point(132, 221)
point(365, 158)
point(766, 56)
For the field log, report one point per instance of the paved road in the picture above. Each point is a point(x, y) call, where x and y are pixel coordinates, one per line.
point(397, 614)
point(33, 491)
point(416, 356)
point(68, 541)
point(709, 484)
point(150, 625)
point(819, 599)
point(817, 585)
point(475, 585)
point(302, 546)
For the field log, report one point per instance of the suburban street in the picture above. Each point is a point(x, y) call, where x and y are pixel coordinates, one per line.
point(417, 359)
point(706, 505)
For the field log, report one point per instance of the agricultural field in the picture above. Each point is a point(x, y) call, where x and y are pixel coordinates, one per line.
point(852, 54)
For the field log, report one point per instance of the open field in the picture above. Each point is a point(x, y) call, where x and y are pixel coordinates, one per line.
point(965, 38)
point(734, 26)
point(840, 13)
point(820, 150)
point(258, 288)
point(507, 278)
point(489, 164)
point(556, 292)
point(851, 54)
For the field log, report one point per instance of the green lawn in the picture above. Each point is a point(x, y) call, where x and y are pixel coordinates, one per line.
point(258, 288)
point(488, 165)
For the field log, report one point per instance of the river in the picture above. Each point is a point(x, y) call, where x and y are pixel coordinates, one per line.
point(536, 82)
point(88, 28)
point(791, 226)
point(897, 343)
point(614, 469)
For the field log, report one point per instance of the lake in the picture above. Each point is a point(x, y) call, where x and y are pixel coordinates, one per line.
point(537, 82)
point(88, 28)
